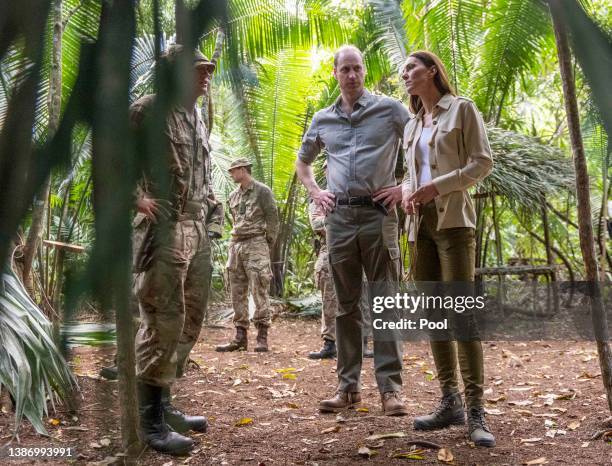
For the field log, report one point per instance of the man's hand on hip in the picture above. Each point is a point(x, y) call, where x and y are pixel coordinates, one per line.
point(390, 196)
point(324, 199)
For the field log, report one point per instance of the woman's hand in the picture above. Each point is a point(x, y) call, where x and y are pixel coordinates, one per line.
point(422, 196)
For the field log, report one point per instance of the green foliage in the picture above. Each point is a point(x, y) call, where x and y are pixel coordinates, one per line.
point(31, 367)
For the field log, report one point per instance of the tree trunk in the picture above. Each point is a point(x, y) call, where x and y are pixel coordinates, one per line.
point(54, 102)
point(587, 243)
point(180, 18)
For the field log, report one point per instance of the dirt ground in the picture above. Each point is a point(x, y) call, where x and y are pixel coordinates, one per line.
point(545, 403)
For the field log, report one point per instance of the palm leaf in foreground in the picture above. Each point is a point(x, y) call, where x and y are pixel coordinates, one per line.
point(31, 366)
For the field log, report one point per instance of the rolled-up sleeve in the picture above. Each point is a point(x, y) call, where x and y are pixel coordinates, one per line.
point(311, 143)
point(479, 160)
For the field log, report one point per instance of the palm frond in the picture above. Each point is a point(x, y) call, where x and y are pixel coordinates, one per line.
point(525, 170)
point(31, 367)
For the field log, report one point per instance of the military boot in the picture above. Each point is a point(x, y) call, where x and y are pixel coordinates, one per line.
point(153, 429)
point(262, 339)
point(367, 352)
point(179, 421)
point(342, 400)
point(449, 412)
point(327, 352)
point(480, 433)
point(238, 343)
point(109, 373)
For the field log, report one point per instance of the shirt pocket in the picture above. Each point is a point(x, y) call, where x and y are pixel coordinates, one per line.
point(447, 142)
point(182, 151)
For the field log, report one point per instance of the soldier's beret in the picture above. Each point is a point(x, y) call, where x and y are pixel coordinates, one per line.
point(241, 162)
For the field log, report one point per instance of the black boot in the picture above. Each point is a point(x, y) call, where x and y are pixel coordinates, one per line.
point(449, 412)
point(179, 421)
point(367, 353)
point(479, 431)
point(239, 343)
point(327, 352)
point(109, 373)
point(153, 430)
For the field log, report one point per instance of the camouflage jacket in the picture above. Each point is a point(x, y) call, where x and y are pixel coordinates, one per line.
point(254, 212)
point(189, 164)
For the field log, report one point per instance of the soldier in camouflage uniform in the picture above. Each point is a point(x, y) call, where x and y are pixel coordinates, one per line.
point(255, 218)
point(172, 263)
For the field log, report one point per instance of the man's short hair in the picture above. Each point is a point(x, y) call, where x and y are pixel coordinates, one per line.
point(346, 48)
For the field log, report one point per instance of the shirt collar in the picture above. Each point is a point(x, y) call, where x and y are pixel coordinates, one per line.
point(363, 101)
point(248, 186)
point(444, 103)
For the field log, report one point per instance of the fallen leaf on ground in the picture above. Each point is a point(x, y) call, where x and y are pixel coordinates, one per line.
point(495, 400)
point(362, 410)
point(373, 438)
point(245, 421)
point(445, 455)
point(289, 376)
point(331, 430)
point(366, 452)
point(54, 422)
point(520, 403)
point(410, 455)
point(292, 405)
point(494, 412)
point(541, 460)
point(286, 370)
point(573, 425)
point(531, 440)
point(105, 442)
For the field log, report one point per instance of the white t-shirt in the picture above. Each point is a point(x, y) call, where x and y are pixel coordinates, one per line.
point(422, 155)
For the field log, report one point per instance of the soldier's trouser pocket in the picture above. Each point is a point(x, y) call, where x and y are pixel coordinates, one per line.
point(142, 243)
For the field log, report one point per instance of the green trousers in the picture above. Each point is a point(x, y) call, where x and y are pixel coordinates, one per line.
point(448, 255)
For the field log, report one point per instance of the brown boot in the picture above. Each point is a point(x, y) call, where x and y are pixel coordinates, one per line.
point(342, 400)
point(239, 343)
point(393, 405)
point(262, 339)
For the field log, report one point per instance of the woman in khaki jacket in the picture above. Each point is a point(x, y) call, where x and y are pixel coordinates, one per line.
point(447, 152)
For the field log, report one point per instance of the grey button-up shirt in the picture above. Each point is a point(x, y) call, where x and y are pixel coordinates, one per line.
point(362, 147)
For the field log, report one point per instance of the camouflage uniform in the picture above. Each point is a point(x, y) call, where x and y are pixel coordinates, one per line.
point(174, 266)
point(323, 278)
point(255, 219)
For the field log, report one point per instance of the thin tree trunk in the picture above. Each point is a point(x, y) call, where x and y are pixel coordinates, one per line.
point(587, 243)
point(54, 102)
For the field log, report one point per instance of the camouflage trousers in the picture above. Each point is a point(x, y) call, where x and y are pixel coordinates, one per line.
point(248, 266)
point(325, 284)
point(172, 298)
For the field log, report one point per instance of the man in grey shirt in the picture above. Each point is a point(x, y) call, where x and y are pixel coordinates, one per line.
point(361, 134)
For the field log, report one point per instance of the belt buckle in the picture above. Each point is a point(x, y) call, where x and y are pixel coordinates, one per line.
point(354, 201)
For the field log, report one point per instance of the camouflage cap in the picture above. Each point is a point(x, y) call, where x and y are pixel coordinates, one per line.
point(241, 162)
point(199, 59)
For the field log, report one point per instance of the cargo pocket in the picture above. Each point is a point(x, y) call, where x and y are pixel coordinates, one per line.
point(142, 243)
point(232, 260)
point(394, 263)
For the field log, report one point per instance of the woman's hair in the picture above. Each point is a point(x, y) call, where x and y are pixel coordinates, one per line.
point(440, 79)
